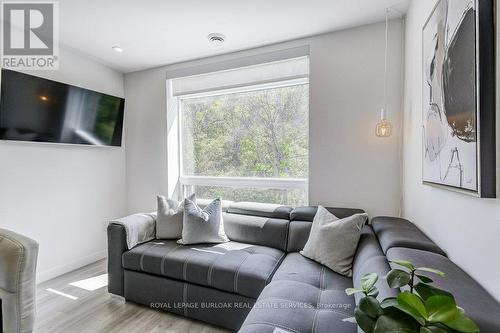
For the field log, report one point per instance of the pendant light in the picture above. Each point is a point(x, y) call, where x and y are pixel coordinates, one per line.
point(384, 126)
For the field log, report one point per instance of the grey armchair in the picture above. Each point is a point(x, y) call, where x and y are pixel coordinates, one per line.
point(18, 258)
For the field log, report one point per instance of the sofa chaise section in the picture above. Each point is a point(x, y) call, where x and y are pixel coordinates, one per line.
point(239, 268)
point(304, 296)
point(216, 283)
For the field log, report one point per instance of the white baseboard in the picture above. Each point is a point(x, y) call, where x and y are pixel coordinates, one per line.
point(68, 267)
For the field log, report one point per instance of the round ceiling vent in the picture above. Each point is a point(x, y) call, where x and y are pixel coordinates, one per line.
point(216, 38)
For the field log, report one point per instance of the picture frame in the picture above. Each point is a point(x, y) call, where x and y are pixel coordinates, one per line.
point(459, 103)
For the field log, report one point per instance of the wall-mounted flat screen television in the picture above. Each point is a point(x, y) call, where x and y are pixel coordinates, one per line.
point(41, 110)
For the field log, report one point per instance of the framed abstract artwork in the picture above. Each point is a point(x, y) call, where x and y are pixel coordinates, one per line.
point(459, 149)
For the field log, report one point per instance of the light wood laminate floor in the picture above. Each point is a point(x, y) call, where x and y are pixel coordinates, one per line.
point(69, 304)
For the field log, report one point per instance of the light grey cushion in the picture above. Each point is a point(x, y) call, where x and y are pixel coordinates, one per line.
point(301, 221)
point(202, 225)
point(333, 242)
point(169, 219)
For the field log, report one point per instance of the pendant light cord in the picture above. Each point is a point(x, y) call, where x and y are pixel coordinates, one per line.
point(385, 57)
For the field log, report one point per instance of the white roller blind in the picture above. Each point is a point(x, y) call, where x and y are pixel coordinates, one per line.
point(288, 69)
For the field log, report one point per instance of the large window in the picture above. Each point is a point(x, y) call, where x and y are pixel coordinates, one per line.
point(248, 143)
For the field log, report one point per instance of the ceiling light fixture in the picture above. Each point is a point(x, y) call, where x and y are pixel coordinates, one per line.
point(117, 49)
point(384, 126)
point(216, 38)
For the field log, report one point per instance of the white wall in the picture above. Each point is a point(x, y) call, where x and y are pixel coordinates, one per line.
point(61, 195)
point(348, 165)
point(467, 228)
point(146, 136)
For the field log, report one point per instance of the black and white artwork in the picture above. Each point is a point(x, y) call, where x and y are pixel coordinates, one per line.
point(452, 102)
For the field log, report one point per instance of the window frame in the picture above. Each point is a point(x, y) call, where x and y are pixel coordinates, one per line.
point(187, 183)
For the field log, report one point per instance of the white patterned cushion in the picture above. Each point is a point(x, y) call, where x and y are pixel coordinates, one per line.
point(203, 225)
point(169, 219)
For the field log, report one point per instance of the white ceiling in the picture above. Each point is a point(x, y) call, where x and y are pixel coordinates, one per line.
point(160, 32)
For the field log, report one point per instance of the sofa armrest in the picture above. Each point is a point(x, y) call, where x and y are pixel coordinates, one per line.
point(117, 245)
point(123, 235)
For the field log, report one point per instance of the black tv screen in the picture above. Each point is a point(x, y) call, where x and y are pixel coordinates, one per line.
point(41, 110)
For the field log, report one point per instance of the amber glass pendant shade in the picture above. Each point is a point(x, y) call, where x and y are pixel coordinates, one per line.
point(383, 129)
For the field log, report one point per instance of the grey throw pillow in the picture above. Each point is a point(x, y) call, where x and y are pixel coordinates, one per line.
point(169, 219)
point(203, 225)
point(333, 242)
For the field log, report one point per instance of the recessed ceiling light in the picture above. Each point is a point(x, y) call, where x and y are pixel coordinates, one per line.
point(216, 38)
point(118, 49)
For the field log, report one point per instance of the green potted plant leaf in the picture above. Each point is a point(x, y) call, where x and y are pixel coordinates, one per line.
point(420, 308)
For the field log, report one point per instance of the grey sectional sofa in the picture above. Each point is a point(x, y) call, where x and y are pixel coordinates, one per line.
point(258, 282)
